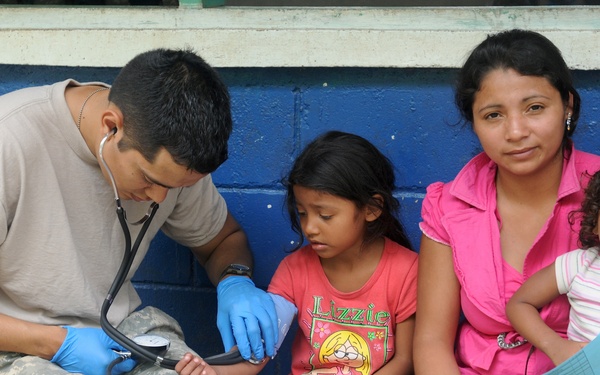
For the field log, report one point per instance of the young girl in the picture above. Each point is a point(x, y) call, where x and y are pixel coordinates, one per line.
point(354, 283)
point(576, 274)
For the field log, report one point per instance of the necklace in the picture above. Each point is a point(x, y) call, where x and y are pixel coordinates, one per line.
point(83, 105)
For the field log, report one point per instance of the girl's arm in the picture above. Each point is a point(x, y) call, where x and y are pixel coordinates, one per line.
point(438, 310)
point(194, 365)
point(402, 362)
point(522, 311)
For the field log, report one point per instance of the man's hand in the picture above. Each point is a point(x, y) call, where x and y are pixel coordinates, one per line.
point(246, 318)
point(90, 351)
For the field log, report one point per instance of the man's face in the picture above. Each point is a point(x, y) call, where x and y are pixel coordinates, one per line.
point(140, 180)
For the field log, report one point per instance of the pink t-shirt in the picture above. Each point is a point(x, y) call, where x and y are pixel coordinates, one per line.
point(462, 214)
point(351, 332)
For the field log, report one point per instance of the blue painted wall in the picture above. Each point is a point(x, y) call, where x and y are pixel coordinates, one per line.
point(408, 113)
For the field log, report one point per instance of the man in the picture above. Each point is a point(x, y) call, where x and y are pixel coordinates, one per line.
point(68, 152)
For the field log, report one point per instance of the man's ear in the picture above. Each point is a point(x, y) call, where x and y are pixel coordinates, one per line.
point(112, 118)
point(373, 210)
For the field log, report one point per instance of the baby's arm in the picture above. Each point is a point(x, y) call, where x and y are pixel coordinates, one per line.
point(522, 311)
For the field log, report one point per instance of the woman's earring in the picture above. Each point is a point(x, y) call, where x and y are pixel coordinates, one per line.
point(568, 123)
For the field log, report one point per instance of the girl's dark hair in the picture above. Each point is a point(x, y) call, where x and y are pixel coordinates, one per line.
point(528, 53)
point(590, 207)
point(350, 167)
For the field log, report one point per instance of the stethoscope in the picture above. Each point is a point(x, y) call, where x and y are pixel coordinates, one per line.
point(150, 348)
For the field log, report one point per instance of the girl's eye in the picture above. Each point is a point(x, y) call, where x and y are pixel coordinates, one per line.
point(536, 107)
point(325, 217)
point(301, 213)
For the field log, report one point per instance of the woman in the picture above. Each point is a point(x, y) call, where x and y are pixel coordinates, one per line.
point(505, 215)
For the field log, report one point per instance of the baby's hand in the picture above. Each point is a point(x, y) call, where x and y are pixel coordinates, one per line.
point(567, 351)
point(193, 365)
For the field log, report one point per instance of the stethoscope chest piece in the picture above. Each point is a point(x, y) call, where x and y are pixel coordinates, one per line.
point(156, 344)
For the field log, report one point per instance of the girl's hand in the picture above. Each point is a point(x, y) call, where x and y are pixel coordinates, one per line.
point(193, 365)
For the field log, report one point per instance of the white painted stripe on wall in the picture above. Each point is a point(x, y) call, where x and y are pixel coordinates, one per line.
point(286, 37)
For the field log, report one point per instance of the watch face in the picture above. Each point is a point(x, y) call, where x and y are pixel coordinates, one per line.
point(237, 269)
point(156, 344)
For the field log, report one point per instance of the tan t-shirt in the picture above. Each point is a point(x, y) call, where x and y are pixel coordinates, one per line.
point(61, 243)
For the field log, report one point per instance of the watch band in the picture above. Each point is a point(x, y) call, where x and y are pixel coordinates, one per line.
point(237, 269)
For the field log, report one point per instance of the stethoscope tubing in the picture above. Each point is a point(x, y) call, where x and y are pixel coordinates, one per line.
point(128, 256)
point(136, 350)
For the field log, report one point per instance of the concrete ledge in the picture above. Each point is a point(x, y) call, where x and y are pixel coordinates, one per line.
point(286, 37)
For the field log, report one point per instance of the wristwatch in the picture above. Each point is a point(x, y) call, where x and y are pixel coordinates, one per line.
point(237, 269)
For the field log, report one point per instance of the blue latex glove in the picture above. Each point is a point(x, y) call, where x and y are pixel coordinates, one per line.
point(246, 318)
point(90, 352)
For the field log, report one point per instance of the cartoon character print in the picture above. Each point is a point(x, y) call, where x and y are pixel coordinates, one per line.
point(347, 351)
point(344, 339)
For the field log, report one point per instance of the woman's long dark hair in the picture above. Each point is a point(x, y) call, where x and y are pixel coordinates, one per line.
point(350, 167)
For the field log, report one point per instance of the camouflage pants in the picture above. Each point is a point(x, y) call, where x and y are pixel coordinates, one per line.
point(147, 320)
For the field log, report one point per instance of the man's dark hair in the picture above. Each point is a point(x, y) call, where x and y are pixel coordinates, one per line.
point(174, 99)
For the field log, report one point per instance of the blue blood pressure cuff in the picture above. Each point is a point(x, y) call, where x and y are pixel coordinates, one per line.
point(286, 311)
